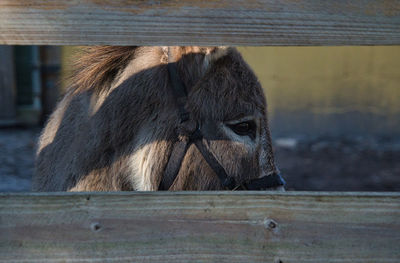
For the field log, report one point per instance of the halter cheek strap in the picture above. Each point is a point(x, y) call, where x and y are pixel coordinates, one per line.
point(189, 133)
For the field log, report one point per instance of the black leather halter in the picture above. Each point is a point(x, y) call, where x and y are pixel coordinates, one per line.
point(189, 133)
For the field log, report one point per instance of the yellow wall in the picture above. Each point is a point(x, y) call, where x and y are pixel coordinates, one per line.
point(317, 84)
point(67, 56)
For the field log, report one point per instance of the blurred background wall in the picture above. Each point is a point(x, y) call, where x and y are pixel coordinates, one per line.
point(29, 83)
point(314, 91)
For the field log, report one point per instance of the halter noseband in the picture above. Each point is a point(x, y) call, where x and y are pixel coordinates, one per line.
point(189, 133)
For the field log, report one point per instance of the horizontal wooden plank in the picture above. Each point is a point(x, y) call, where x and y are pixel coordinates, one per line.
point(200, 227)
point(190, 22)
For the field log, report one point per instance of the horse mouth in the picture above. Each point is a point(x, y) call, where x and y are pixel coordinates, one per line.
point(270, 182)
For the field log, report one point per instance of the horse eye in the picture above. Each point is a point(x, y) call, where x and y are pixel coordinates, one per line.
point(246, 128)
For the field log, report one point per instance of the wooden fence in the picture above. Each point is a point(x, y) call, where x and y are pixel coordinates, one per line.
point(202, 226)
point(187, 22)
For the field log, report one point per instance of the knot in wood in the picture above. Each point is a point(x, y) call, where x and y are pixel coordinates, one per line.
point(270, 224)
point(95, 227)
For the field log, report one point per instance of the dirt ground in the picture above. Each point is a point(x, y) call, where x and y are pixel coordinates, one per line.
point(327, 164)
point(321, 164)
point(17, 148)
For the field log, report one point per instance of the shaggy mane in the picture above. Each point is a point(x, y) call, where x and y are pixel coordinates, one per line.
point(96, 67)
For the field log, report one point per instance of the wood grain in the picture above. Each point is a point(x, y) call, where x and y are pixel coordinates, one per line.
point(200, 227)
point(190, 22)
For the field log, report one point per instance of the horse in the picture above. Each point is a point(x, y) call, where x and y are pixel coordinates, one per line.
point(119, 125)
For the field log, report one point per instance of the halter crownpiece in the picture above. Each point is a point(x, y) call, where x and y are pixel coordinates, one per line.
point(189, 132)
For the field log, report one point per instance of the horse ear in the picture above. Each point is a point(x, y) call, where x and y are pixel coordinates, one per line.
point(213, 54)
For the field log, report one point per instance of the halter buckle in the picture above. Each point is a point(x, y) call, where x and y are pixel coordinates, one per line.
point(190, 129)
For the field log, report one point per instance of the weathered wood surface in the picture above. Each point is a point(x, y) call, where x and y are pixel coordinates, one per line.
point(200, 227)
point(187, 22)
